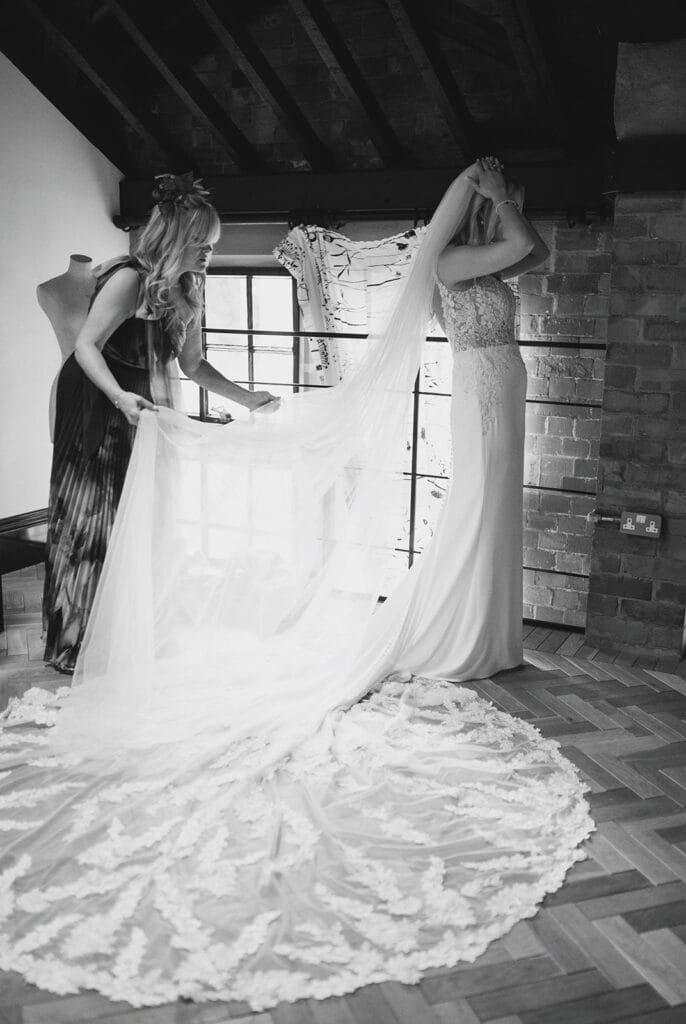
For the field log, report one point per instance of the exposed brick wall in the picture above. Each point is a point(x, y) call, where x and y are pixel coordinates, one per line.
point(566, 301)
point(638, 586)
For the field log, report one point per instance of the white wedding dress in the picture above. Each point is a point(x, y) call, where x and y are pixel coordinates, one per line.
point(234, 800)
point(464, 595)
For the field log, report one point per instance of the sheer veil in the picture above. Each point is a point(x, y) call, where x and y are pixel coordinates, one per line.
point(247, 560)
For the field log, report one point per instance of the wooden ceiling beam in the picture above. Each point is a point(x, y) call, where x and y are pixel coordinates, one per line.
point(195, 96)
point(471, 29)
point(531, 60)
point(75, 47)
point(341, 65)
point(247, 56)
point(417, 34)
point(550, 188)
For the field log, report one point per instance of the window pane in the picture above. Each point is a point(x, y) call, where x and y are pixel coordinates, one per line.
point(434, 449)
point(406, 458)
point(437, 367)
point(233, 363)
point(226, 303)
point(189, 397)
point(394, 565)
point(273, 367)
point(398, 512)
point(350, 352)
point(430, 495)
point(272, 306)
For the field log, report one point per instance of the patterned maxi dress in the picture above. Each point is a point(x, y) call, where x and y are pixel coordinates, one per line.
point(92, 448)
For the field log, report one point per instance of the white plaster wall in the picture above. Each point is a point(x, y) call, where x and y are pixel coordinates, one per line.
point(57, 196)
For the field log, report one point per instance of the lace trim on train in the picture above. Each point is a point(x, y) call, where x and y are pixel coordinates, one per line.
point(407, 834)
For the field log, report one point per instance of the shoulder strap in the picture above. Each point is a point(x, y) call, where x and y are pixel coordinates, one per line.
point(110, 270)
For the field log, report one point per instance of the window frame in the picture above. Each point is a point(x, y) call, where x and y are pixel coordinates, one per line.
point(249, 273)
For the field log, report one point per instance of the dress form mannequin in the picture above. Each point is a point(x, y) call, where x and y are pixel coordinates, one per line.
point(64, 300)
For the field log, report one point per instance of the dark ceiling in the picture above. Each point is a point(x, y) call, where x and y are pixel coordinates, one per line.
point(328, 88)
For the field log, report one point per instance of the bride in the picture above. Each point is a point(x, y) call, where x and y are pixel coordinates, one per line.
point(464, 617)
point(251, 792)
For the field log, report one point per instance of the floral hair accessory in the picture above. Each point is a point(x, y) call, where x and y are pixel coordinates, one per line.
point(177, 188)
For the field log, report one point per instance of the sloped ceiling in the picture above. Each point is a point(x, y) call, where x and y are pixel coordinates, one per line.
point(334, 87)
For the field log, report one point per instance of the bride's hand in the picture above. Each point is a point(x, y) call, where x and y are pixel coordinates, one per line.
point(470, 174)
point(490, 182)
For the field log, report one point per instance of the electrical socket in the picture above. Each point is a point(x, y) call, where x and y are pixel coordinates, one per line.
point(641, 524)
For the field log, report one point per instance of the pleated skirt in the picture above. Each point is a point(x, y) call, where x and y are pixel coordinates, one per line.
point(92, 447)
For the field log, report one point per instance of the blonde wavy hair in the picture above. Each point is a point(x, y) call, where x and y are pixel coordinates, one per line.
point(160, 251)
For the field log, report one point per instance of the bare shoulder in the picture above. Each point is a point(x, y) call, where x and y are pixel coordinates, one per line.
point(120, 291)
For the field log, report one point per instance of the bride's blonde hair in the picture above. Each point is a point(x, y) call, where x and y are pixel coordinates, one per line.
point(473, 229)
point(478, 225)
point(160, 250)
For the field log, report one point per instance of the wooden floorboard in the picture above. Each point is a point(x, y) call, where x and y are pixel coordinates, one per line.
point(609, 946)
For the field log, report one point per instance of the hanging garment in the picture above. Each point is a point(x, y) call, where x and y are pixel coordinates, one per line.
point(343, 286)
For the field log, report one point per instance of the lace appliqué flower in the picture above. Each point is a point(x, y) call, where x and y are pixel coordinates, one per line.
point(486, 373)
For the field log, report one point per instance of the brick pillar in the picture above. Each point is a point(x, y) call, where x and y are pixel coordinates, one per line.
point(637, 594)
point(566, 302)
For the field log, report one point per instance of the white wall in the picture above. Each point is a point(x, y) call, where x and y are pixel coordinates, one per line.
point(57, 196)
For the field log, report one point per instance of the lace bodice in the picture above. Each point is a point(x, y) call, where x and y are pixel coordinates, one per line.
point(478, 321)
point(480, 315)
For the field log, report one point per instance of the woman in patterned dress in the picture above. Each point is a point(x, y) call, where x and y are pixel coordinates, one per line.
point(145, 312)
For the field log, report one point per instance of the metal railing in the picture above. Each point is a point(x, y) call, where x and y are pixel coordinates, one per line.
point(413, 473)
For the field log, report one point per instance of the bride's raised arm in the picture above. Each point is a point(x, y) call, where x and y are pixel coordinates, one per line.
point(540, 252)
point(466, 258)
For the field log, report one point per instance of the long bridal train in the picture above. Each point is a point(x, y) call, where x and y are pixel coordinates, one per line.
point(234, 800)
point(222, 817)
point(406, 833)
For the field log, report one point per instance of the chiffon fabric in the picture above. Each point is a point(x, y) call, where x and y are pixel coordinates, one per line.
point(244, 795)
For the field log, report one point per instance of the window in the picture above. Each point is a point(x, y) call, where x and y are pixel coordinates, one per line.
point(250, 317)
point(252, 336)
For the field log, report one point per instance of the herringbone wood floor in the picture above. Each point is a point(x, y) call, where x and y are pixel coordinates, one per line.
point(609, 946)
